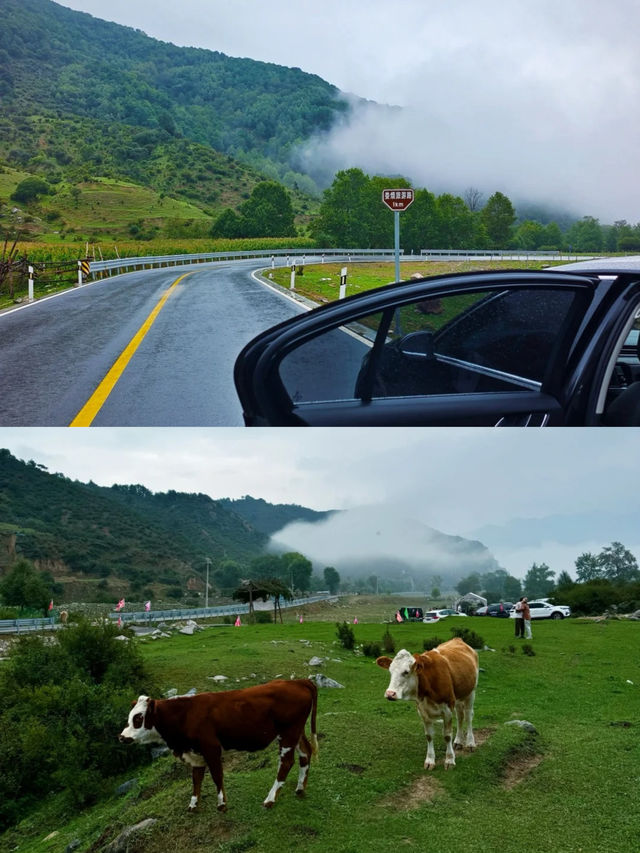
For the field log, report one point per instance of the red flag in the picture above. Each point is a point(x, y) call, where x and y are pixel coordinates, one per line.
point(120, 605)
point(147, 606)
point(119, 622)
point(355, 620)
point(51, 604)
point(398, 616)
point(238, 623)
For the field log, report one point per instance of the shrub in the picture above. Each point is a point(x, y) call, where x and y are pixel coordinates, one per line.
point(30, 189)
point(431, 643)
point(345, 635)
point(388, 643)
point(470, 637)
point(372, 650)
point(263, 616)
point(61, 706)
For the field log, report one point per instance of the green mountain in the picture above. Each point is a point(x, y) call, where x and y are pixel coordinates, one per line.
point(94, 540)
point(83, 98)
point(270, 518)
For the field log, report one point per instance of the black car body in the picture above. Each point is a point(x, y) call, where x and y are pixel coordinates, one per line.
point(511, 348)
point(501, 610)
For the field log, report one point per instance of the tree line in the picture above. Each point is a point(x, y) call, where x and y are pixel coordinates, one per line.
point(607, 580)
point(352, 215)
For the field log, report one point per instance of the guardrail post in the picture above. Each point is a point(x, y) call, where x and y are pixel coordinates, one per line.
point(30, 295)
point(343, 282)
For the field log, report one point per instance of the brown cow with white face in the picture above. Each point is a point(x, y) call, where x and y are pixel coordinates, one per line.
point(198, 728)
point(439, 681)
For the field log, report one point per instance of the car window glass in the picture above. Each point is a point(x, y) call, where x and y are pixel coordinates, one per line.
point(493, 341)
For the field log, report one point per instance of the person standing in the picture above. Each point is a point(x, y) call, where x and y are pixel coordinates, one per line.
point(519, 619)
point(526, 612)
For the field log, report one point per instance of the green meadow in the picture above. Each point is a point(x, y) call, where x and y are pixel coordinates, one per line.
point(572, 786)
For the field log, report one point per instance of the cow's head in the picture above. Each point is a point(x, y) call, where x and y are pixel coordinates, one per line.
point(140, 728)
point(404, 676)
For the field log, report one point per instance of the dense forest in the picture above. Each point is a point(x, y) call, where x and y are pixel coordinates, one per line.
point(269, 518)
point(94, 540)
point(63, 62)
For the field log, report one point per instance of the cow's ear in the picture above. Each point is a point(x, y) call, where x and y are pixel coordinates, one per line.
point(384, 662)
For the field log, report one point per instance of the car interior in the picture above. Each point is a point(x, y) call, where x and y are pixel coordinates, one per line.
point(623, 396)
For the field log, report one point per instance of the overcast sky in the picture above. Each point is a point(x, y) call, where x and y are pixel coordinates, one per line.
point(535, 98)
point(456, 481)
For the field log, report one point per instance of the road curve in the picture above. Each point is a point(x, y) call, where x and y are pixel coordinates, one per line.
point(149, 348)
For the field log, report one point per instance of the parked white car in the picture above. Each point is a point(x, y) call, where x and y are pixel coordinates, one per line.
point(542, 608)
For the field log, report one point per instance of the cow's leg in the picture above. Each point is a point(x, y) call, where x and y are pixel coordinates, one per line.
point(460, 722)
point(470, 742)
point(213, 757)
point(197, 775)
point(304, 756)
point(287, 757)
point(450, 756)
point(430, 760)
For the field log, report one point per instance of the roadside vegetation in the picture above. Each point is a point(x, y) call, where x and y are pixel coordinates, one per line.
point(559, 785)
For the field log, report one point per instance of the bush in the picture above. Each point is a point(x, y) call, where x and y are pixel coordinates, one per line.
point(388, 643)
point(30, 189)
point(372, 650)
point(263, 616)
point(345, 635)
point(470, 637)
point(61, 707)
point(431, 643)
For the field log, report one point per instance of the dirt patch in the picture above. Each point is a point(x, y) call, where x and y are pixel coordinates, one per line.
point(518, 769)
point(358, 769)
point(423, 790)
point(481, 736)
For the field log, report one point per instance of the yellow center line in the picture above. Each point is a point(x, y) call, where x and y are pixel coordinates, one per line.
point(97, 400)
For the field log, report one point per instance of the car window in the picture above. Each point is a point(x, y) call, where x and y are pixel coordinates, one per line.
point(493, 341)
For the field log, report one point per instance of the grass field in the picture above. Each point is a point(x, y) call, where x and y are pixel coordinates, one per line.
point(321, 282)
point(572, 787)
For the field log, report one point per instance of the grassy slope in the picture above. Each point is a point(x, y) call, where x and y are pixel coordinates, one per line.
point(368, 790)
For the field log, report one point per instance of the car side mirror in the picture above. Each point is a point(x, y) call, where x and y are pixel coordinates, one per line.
point(418, 345)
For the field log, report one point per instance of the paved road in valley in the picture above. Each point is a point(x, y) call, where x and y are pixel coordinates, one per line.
point(151, 348)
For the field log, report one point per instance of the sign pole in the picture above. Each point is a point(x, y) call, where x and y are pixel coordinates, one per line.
point(397, 200)
point(396, 232)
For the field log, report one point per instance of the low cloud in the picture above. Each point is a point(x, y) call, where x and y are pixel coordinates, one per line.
point(386, 541)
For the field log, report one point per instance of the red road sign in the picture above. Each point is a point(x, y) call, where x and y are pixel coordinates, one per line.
point(397, 199)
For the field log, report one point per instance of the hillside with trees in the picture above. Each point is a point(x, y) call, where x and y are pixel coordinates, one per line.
point(270, 518)
point(95, 541)
point(63, 62)
point(107, 134)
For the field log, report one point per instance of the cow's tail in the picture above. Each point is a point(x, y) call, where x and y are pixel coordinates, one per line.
point(314, 708)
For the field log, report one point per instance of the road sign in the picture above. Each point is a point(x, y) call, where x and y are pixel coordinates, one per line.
point(397, 199)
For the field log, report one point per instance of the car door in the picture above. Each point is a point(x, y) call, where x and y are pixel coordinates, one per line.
point(478, 349)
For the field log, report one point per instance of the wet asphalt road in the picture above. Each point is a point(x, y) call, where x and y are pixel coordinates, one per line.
point(55, 354)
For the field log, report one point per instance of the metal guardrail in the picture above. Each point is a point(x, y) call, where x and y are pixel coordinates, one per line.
point(208, 612)
point(504, 254)
point(22, 626)
point(116, 266)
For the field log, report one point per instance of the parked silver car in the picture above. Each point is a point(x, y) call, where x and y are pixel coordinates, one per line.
point(543, 609)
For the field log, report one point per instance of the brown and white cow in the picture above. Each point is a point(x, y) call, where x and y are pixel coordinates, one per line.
point(198, 728)
point(439, 681)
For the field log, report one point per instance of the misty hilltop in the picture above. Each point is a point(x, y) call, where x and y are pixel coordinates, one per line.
point(379, 540)
point(97, 541)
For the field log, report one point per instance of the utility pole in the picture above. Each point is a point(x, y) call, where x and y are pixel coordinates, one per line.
point(206, 589)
